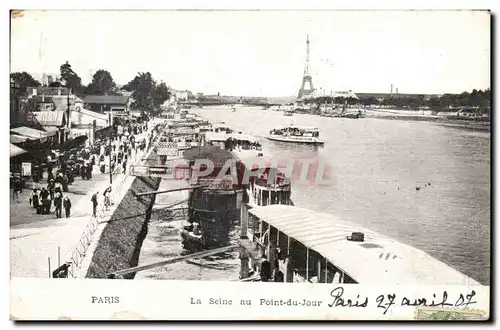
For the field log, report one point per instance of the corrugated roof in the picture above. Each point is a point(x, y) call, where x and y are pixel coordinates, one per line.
point(29, 132)
point(377, 260)
point(50, 118)
point(106, 99)
point(16, 151)
point(89, 113)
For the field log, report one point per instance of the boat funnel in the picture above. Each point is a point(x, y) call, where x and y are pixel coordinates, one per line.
point(356, 237)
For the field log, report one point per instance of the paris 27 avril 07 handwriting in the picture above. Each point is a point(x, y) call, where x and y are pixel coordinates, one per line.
point(339, 299)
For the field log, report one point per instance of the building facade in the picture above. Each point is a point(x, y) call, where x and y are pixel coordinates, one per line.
point(119, 105)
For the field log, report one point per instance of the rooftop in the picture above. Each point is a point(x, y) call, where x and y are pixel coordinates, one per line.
point(50, 118)
point(377, 260)
point(106, 99)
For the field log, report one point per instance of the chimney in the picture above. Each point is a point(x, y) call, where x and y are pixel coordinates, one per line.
point(391, 88)
point(396, 90)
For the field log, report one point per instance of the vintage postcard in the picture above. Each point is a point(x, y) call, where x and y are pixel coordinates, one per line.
point(250, 165)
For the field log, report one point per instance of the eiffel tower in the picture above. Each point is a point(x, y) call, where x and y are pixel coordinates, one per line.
point(306, 79)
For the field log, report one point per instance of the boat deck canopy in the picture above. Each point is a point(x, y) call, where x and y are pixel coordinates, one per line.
point(306, 128)
point(376, 260)
point(242, 137)
point(216, 137)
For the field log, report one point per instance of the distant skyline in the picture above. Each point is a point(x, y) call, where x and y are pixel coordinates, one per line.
point(262, 53)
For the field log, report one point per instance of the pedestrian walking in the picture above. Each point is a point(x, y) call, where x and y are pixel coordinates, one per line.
point(103, 167)
point(67, 206)
point(58, 188)
point(89, 171)
point(94, 204)
point(35, 199)
point(16, 189)
point(124, 167)
point(50, 176)
point(58, 204)
point(107, 198)
point(50, 188)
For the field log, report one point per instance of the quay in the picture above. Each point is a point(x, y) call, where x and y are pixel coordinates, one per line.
point(40, 243)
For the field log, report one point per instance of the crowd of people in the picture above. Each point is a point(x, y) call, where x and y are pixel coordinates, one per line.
point(74, 163)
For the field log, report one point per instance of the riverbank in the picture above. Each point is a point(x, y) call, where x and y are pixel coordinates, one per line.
point(163, 241)
point(121, 239)
point(439, 119)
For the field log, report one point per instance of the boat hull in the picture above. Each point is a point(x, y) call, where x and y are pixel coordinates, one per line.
point(295, 140)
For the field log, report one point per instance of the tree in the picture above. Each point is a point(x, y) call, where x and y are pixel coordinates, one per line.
point(24, 80)
point(102, 83)
point(144, 89)
point(70, 78)
point(162, 94)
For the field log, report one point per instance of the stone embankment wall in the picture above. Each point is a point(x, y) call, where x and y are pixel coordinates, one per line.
point(121, 240)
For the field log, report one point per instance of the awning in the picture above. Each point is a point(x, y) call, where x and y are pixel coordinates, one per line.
point(17, 138)
point(50, 130)
point(29, 132)
point(16, 151)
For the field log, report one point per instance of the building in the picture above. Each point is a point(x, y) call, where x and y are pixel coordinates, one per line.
point(119, 105)
point(55, 122)
point(87, 123)
point(47, 91)
point(384, 96)
point(179, 95)
point(48, 78)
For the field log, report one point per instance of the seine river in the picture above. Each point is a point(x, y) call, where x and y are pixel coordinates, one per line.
point(376, 166)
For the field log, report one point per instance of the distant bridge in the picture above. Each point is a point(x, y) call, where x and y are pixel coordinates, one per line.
point(212, 102)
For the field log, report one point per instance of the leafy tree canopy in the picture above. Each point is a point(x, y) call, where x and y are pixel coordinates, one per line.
point(70, 78)
point(102, 84)
point(144, 89)
point(24, 80)
point(162, 94)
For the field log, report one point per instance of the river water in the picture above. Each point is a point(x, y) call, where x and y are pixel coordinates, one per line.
point(376, 166)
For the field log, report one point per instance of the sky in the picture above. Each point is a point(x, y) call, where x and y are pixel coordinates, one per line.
point(262, 53)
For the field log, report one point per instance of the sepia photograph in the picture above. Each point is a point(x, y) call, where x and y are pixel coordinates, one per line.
point(316, 149)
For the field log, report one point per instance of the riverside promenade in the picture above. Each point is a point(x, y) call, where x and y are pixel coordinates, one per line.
point(39, 245)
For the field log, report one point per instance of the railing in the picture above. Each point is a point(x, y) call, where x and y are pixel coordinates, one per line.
point(85, 240)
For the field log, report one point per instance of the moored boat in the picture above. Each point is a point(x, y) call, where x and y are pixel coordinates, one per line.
point(296, 134)
point(298, 245)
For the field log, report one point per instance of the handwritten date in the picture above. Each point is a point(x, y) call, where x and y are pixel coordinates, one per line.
point(386, 301)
